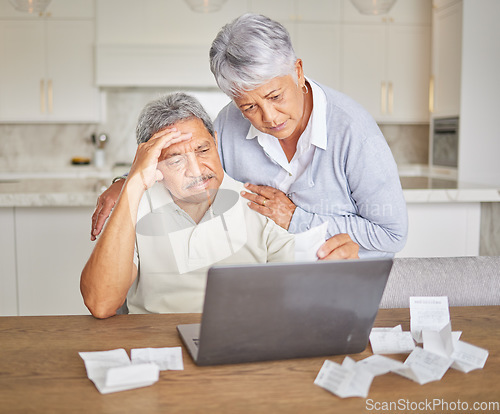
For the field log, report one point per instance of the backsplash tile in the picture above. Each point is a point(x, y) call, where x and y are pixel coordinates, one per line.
point(409, 143)
point(47, 147)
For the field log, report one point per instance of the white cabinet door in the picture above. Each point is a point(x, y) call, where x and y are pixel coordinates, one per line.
point(442, 230)
point(386, 68)
point(402, 12)
point(279, 10)
point(363, 72)
point(53, 245)
point(408, 73)
point(318, 11)
point(323, 66)
point(59, 9)
point(47, 69)
point(160, 22)
point(70, 72)
point(8, 284)
point(22, 70)
point(447, 59)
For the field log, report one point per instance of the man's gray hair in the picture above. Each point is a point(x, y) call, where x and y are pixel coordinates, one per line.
point(249, 52)
point(168, 110)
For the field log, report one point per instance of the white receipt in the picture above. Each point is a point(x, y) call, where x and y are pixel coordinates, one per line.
point(379, 365)
point(396, 328)
point(428, 313)
point(423, 366)
point(112, 371)
point(165, 358)
point(391, 342)
point(350, 380)
point(465, 356)
point(308, 242)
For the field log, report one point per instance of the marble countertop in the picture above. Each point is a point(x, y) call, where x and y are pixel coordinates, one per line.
point(424, 189)
point(74, 186)
point(81, 187)
point(51, 192)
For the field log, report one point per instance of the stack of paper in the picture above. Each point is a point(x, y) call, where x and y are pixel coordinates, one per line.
point(430, 324)
point(352, 381)
point(391, 341)
point(113, 371)
point(165, 358)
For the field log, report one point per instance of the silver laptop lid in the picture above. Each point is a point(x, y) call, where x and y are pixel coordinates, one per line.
point(279, 311)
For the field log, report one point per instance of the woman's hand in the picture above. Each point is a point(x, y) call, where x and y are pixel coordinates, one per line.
point(339, 246)
point(105, 204)
point(271, 203)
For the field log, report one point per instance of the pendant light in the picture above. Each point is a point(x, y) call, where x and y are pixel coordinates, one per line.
point(205, 6)
point(373, 7)
point(30, 6)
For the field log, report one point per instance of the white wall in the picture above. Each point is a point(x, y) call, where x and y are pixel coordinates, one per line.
point(479, 154)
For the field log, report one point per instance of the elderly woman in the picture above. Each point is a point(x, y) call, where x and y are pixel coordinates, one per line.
point(308, 154)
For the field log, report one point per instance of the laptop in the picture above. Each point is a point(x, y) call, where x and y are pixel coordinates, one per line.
point(273, 311)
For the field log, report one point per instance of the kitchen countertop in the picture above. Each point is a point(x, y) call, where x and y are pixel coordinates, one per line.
point(76, 187)
point(424, 189)
point(82, 187)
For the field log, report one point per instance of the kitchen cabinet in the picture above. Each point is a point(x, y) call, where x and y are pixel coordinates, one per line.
point(52, 246)
point(323, 67)
point(315, 28)
point(58, 9)
point(319, 11)
point(386, 68)
point(8, 283)
point(47, 69)
point(402, 12)
point(443, 230)
point(157, 43)
point(446, 59)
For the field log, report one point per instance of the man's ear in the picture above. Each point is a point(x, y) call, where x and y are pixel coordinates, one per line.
point(216, 141)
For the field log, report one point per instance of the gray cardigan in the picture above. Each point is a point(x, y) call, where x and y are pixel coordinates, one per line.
point(353, 184)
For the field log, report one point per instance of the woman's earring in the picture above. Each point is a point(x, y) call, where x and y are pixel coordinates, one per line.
point(305, 92)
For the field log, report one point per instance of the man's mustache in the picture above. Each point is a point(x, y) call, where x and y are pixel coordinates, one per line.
point(198, 180)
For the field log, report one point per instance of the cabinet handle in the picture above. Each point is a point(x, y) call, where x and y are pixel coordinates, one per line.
point(383, 97)
point(50, 96)
point(431, 95)
point(390, 99)
point(42, 96)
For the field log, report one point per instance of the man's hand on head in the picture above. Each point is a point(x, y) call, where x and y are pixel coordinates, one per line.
point(144, 168)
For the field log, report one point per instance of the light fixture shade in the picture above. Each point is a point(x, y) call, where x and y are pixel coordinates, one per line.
point(373, 7)
point(30, 6)
point(205, 6)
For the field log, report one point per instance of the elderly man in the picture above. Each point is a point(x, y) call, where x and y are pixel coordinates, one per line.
point(177, 215)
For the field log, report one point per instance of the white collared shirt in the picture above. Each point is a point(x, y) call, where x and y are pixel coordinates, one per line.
point(313, 136)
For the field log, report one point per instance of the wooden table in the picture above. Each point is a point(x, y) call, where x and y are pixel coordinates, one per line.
point(41, 371)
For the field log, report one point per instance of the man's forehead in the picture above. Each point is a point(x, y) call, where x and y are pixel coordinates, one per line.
point(189, 145)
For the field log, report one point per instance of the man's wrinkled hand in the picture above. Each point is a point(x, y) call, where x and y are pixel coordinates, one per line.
point(338, 247)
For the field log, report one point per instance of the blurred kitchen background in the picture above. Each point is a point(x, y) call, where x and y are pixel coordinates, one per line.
point(427, 70)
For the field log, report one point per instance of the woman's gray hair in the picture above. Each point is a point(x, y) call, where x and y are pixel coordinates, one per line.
point(168, 110)
point(249, 52)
